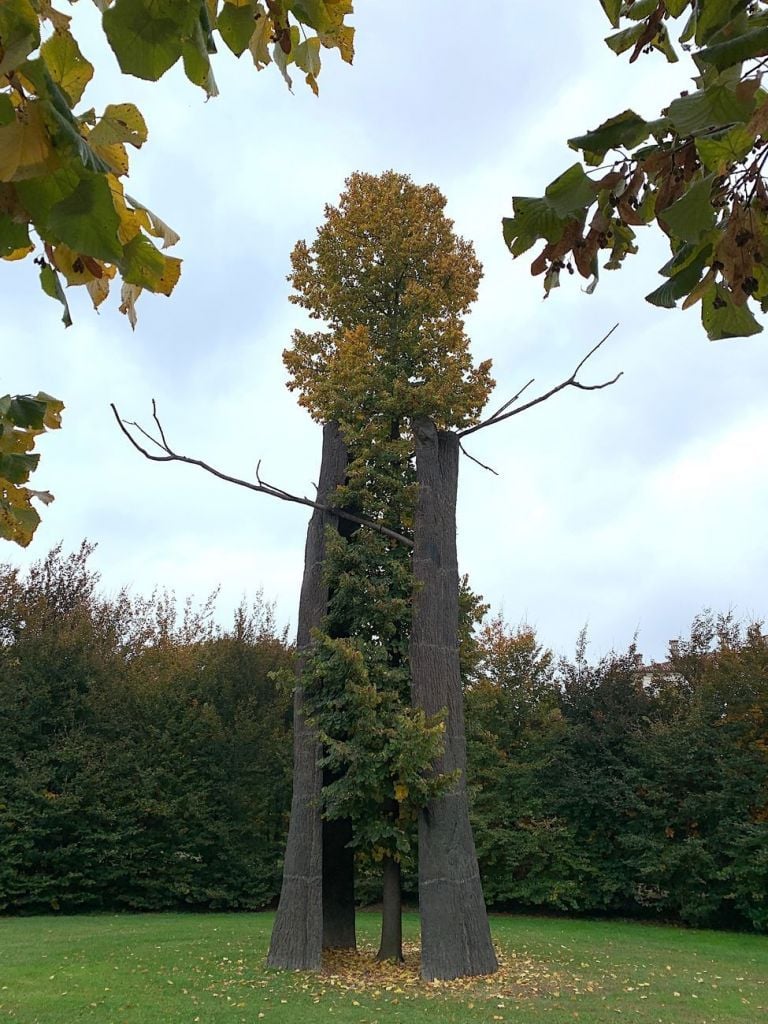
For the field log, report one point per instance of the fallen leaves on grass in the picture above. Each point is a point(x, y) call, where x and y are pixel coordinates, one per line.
point(358, 972)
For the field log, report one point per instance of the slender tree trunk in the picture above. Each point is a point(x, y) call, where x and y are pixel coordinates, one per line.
point(297, 935)
point(455, 936)
point(391, 947)
point(338, 885)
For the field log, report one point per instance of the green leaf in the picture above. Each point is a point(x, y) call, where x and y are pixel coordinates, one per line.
point(685, 255)
point(680, 284)
point(26, 412)
point(17, 468)
point(716, 106)
point(145, 266)
point(313, 13)
point(571, 192)
point(627, 129)
point(722, 319)
point(87, 220)
point(533, 219)
point(13, 236)
point(621, 41)
point(67, 137)
point(693, 214)
point(640, 10)
point(51, 285)
point(676, 7)
point(19, 32)
point(147, 35)
point(236, 25)
point(734, 51)
point(18, 523)
point(717, 152)
point(612, 8)
point(66, 65)
point(197, 66)
point(39, 195)
point(711, 15)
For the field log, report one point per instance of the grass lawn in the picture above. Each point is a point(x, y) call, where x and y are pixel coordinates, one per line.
point(209, 969)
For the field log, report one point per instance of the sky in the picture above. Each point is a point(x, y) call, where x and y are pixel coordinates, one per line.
point(628, 510)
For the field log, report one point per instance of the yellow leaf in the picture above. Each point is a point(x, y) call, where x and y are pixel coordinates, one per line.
point(121, 122)
point(19, 254)
point(98, 290)
point(115, 157)
point(25, 147)
point(401, 792)
point(170, 276)
point(78, 268)
point(156, 226)
point(131, 221)
point(67, 66)
point(261, 38)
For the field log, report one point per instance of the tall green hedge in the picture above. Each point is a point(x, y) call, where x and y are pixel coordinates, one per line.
point(618, 788)
point(144, 753)
point(145, 758)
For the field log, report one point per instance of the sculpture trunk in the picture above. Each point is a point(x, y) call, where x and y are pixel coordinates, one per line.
point(455, 936)
point(297, 935)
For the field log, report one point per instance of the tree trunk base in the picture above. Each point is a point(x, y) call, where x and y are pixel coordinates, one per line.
point(391, 947)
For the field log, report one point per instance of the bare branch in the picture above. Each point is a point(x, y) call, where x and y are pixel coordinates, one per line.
point(513, 399)
point(473, 459)
point(261, 486)
point(505, 413)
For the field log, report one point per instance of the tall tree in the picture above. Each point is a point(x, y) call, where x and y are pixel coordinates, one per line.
point(393, 371)
point(393, 282)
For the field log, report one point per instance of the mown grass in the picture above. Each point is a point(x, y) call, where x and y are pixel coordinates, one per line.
point(209, 969)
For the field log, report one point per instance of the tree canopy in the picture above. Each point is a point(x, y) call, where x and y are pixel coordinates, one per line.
point(696, 169)
point(393, 282)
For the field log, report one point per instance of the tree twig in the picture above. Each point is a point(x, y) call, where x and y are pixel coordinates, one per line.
point(169, 455)
point(505, 413)
point(473, 459)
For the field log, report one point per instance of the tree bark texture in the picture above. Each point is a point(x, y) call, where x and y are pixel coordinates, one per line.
point(455, 936)
point(391, 947)
point(297, 935)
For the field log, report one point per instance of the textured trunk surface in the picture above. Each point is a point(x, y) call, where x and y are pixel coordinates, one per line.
point(455, 937)
point(391, 947)
point(297, 935)
point(338, 885)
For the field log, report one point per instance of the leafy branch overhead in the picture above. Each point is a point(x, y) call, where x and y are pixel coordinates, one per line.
point(697, 170)
point(62, 166)
point(22, 419)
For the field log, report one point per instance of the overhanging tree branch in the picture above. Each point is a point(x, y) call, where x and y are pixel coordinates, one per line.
point(504, 413)
point(169, 455)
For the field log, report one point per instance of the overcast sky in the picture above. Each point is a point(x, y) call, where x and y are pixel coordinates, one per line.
point(629, 509)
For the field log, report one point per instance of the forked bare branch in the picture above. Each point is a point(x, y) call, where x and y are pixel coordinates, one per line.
point(504, 413)
point(169, 455)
